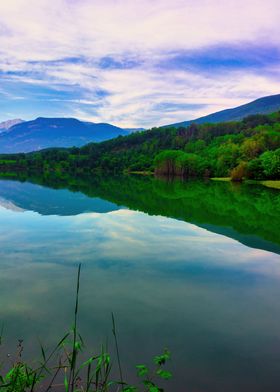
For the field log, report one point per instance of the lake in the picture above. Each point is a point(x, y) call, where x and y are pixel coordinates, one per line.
point(189, 265)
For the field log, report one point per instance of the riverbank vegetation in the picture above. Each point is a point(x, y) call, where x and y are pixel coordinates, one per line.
point(245, 149)
point(64, 368)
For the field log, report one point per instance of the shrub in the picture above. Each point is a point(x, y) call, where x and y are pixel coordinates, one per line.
point(239, 172)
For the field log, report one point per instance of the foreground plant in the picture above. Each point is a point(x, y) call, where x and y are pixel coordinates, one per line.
point(62, 369)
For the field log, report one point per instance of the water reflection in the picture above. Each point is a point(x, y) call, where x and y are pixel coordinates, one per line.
point(19, 196)
point(210, 299)
point(247, 213)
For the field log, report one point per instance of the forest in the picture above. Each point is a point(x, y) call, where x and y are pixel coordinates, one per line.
point(246, 149)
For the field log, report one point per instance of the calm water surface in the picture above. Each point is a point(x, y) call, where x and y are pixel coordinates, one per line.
point(191, 266)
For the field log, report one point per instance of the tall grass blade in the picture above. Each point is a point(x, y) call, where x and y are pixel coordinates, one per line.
point(74, 348)
point(117, 349)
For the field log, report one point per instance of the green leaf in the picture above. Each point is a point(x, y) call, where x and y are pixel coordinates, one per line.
point(107, 359)
point(129, 388)
point(148, 383)
point(161, 359)
point(154, 389)
point(66, 383)
point(164, 374)
point(142, 370)
point(78, 346)
point(61, 342)
point(43, 353)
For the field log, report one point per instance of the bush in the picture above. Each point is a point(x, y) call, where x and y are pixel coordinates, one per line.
point(255, 169)
point(239, 172)
point(271, 163)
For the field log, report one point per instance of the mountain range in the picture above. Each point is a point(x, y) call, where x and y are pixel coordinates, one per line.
point(43, 133)
point(18, 136)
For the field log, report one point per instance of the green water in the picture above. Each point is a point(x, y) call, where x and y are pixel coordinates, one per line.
point(191, 266)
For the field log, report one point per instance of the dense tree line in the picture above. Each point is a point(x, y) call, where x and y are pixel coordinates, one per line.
point(248, 148)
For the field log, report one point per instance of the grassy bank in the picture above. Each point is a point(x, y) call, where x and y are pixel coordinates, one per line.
point(225, 179)
point(268, 183)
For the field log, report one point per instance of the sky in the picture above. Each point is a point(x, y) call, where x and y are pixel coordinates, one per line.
point(136, 63)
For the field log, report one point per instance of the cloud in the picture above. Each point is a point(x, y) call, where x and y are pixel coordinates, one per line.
point(143, 55)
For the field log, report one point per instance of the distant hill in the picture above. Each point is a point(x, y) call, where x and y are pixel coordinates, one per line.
point(131, 130)
point(55, 132)
point(263, 105)
point(6, 125)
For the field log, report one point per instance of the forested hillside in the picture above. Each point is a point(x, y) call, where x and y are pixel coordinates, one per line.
point(264, 105)
point(249, 148)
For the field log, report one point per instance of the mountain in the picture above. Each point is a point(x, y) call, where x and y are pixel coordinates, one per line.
point(263, 105)
point(55, 132)
point(6, 125)
point(131, 130)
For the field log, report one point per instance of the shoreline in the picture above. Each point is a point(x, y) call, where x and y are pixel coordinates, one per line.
point(275, 184)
